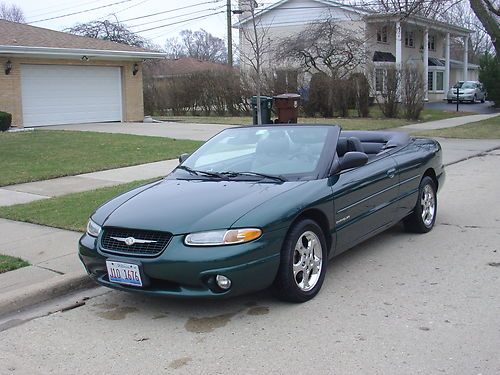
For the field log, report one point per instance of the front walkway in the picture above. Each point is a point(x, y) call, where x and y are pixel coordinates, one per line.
point(177, 130)
point(448, 123)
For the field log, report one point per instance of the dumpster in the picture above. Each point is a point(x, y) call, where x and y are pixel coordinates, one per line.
point(266, 104)
point(287, 108)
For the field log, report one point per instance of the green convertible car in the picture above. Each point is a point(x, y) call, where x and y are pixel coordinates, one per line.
point(262, 206)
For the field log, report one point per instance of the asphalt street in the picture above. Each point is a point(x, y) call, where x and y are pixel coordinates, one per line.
point(484, 108)
point(397, 304)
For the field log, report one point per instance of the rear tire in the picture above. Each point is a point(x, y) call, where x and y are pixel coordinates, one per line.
point(303, 262)
point(423, 217)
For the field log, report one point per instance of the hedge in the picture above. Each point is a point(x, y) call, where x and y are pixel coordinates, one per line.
point(5, 121)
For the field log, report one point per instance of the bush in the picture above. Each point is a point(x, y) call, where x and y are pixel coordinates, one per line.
point(489, 75)
point(413, 92)
point(5, 121)
point(389, 102)
point(319, 96)
point(361, 93)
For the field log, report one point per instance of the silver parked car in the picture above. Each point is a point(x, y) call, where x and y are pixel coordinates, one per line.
point(469, 91)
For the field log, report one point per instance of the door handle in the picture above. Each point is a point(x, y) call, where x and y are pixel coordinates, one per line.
point(391, 172)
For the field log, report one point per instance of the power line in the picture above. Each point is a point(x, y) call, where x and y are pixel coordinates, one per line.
point(175, 23)
point(82, 11)
point(43, 11)
point(177, 16)
point(172, 10)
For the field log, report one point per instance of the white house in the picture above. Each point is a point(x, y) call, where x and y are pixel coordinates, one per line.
point(391, 39)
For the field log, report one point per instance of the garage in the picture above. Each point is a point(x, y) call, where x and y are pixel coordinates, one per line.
point(63, 94)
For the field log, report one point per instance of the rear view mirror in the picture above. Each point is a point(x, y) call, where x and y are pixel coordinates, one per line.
point(353, 159)
point(183, 157)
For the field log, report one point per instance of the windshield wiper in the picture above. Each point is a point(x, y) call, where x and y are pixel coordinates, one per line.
point(253, 174)
point(197, 172)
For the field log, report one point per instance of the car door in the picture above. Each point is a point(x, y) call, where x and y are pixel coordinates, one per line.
point(364, 200)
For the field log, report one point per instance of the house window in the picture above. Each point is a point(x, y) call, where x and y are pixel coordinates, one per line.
point(382, 34)
point(409, 40)
point(439, 81)
point(430, 81)
point(432, 43)
point(435, 81)
point(379, 80)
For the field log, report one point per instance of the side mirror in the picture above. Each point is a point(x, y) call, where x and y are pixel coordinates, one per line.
point(183, 157)
point(353, 159)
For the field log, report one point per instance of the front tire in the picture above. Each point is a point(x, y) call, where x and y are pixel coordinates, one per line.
point(450, 101)
point(423, 217)
point(303, 262)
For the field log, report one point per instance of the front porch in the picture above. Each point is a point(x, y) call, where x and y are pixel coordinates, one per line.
point(415, 40)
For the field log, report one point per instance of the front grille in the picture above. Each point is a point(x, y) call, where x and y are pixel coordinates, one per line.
point(112, 245)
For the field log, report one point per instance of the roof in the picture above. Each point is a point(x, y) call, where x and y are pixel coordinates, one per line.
point(21, 38)
point(185, 66)
point(420, 21)
point(260, 12)
point(383, 57)
point(374, 16)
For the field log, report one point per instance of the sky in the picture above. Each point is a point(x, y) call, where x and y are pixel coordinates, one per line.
point(210, 14)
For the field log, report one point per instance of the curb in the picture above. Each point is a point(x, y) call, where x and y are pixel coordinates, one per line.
point(19, 299)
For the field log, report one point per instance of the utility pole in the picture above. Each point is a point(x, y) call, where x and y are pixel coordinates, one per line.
point(229, 35)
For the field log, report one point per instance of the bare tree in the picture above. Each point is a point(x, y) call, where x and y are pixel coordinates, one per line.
point(257, 38)
point(12, 13)
point(413, 91)
point(174, 48)
point(199, 44)
point(325, 47)
point(488, 12)
point(108, 30)
point(462, 15)
point(426, 8)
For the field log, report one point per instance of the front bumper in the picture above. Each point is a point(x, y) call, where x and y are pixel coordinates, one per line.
point(461, 97)
point(185, 271)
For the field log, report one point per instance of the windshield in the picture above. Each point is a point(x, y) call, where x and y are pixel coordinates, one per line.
point(458, 85)
point(468, 85)
point(286, 152)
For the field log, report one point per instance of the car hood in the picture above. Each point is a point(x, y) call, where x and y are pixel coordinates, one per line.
point(183, 206)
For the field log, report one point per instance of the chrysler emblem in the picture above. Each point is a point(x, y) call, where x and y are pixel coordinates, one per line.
point(129, 241)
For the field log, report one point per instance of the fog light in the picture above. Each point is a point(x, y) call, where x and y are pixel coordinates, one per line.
point(223, 282)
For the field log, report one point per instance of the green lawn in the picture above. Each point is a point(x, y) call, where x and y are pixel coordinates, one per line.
point(8, 263)
point(486, 129)
point(66, 212)
point(374, 122)
point(43, 154)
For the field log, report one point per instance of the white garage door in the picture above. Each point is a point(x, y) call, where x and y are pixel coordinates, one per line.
point(61, 94)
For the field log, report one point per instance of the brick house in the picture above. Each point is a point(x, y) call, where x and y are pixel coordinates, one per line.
point(49, 77)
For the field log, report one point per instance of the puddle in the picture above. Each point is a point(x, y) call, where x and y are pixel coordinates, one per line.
point(118, 313)
point(208, 324)
point(258, 310)
point(179, 362)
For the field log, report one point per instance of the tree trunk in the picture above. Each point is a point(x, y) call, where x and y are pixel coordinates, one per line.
point(489, 22)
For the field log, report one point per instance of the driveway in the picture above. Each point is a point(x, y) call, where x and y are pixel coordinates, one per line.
point(198, 132)
point(397, 304)
point(483, 108)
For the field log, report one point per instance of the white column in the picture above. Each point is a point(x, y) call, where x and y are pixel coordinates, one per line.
point(426, 63)
point(399, 57)
point(466, 57)
point(399, 48)
point(446, 64)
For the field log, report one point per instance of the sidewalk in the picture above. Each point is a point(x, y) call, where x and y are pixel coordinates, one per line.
point(447, 123)
point(32, 191)
point(55, 268)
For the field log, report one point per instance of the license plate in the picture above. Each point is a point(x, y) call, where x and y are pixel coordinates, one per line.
point(124, 273)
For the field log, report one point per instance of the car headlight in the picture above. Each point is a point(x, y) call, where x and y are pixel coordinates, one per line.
point(222, 237)
point(93, 229)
